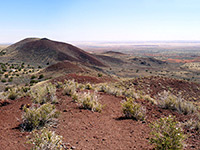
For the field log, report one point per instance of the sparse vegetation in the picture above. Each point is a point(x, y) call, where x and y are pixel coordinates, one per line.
point(133, 110)
point(38, 116)
point(88, 86)
point(169, 101)
point(166, 135)
point(46, 140)
point(192, 124)
point(70, 88)
point(41, 76)
point(90, 101)
point(110, 90)
point(44, 93)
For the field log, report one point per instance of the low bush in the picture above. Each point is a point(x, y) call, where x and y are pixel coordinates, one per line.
point(44, 93)
point(33, 81)
point(46, 140)
point(169, 101)
point(14, 93)
point(33, 77)
point(100, 74)
point(166, 135)
point(90, 101)
point(70, 87)
point(111, 90)
point(133, 110)
point(41, 76)
point(3, 80)
point(191, 125)
point(38, 116)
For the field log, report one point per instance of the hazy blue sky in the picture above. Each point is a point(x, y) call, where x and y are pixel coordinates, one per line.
point(100, 20)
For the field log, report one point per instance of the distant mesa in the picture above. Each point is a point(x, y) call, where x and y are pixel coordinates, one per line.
point(42, 51)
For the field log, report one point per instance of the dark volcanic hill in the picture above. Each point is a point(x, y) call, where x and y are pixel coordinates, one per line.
point(42, 51)
point(113, 53)
point(150, 61)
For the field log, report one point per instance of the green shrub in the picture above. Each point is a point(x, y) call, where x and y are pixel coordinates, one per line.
point(41, 76)
point(166, 134)
point(3, 80)
point(100, 74)
point(90, 101)
point(46, 140)
point(36, 117)
point(6, 75)
point(133, 110)
point(33, 77)
point(44, 93)
point(169, 101)
point(10, 79)
point(33, 81)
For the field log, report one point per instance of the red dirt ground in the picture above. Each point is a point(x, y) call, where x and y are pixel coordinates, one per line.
point(11, 138)
point(85, 129)
point(66, 66)
point(155, 84)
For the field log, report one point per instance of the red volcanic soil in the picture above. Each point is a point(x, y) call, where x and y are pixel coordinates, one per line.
point(108, 130)
point(85, 129)
point(155, 84)
point(84, 79)
point(10, 118)
point(66, 66)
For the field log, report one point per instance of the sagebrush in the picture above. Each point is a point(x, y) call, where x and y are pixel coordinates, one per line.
point(166, 135)
point(133, 110)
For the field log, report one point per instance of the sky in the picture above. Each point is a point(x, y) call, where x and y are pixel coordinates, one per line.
point(100, 20)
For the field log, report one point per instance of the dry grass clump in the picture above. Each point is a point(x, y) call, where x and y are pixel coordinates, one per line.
point(133, 110)
point(192, 124)
point(110, 89)
point(131, 92)
point(169, 101)
point(46, 140)
point(70, 87)
point(14, 93)
point(89, 101)
point(45, 93)
point(38, 116)
point(150, 99)
point(89, 86)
